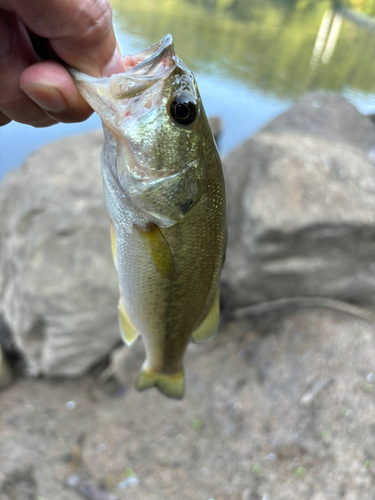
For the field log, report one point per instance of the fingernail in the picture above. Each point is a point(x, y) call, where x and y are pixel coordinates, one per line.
point(48, 98)
point(5, 36)
point(116, 64)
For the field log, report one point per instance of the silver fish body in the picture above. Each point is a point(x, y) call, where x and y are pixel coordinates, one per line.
point(165, 195)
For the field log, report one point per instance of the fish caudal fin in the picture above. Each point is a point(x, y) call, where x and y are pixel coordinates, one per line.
point(128, 331)
point(171, 386)
point(209, 325)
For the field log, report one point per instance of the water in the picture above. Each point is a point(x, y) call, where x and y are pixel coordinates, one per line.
point(252, 59)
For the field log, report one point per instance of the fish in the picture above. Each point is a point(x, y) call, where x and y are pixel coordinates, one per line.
point(165, 194)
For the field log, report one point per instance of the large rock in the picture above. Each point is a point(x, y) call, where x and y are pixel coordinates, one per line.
point(58, 285)
point(6, 372)
point(301, 197)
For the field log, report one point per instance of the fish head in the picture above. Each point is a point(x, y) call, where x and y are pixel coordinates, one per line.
point(154, 114)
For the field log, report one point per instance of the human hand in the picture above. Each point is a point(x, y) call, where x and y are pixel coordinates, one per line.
point(36, 39)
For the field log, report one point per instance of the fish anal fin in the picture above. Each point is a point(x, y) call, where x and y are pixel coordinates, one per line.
point(209, 325)
point(158, 249)
point(171, 386)
point(128, 331)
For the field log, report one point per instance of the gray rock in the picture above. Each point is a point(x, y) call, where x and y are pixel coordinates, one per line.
point(88, 489)
point(125, 364)
point(58, 285)
point(20, 484)
point(301, 196)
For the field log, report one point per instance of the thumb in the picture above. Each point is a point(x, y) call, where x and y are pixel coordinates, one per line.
point(79, 31)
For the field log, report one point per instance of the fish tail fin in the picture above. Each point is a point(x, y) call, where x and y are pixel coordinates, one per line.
point(171, 386)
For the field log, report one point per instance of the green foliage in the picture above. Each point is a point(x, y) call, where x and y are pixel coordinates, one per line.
point(256, 469)
point(196, 425)
point(300, 471)
point(363, 6)
point(265, 44)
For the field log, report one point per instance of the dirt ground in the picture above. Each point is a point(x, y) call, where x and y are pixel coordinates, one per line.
point(284, 415)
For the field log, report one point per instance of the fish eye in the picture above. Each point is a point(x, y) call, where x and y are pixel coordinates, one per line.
point(183, 110)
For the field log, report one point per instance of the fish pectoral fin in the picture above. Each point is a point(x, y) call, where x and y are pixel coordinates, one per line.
point(128, 331)
point(171, 386)
point(158, 249)
point(209, 325)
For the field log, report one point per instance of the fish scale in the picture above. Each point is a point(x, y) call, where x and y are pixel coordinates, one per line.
point(165, 194)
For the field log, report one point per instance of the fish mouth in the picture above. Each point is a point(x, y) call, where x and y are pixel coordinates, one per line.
point(144, 69)
point(148, 59)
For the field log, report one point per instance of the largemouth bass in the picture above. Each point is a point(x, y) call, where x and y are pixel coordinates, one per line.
point(165, 195)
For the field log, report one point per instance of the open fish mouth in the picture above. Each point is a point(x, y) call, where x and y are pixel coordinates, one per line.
point(152, 63)
point(144, 69)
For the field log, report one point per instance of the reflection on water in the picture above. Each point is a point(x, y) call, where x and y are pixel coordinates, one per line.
point(251, 58)
point(326, 39)
point(283, 47)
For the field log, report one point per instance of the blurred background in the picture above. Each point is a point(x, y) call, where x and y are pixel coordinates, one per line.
point(251, 59)
point(280, 404)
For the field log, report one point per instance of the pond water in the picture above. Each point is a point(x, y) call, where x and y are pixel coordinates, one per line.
point(252, 59)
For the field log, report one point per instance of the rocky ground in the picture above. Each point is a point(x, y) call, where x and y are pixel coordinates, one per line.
point(287, 414)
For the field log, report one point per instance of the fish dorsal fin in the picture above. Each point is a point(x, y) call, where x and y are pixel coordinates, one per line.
point(171, 386)
point(128, 331)
point(209, 325)
point(158, 249)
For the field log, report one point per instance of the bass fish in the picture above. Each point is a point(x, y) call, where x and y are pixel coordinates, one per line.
point(165, 194)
